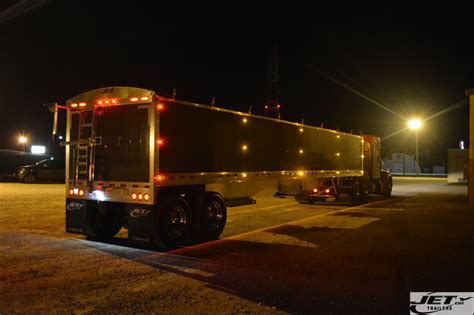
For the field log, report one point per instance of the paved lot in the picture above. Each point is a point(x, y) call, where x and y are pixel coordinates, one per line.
point(274, 257)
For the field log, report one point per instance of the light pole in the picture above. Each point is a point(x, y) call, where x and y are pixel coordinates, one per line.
point(22, 140)
point(415, 124)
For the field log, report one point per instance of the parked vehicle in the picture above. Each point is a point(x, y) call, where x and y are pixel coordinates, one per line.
point(45, 170)
point(167, 169)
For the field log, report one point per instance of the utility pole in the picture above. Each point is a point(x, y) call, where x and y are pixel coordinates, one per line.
point(272, 105)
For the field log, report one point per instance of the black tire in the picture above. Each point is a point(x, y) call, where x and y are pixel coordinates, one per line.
point(388, 191)
point(174, 222)
point(211, 217)
point(104, 220)
point(364, 192)
point(355, 193)
point(30, 178)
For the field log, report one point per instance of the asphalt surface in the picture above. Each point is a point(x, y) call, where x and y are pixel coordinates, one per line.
point(274, 257)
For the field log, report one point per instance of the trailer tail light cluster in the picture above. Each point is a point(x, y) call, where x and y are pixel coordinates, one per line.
point(136, 99)
point(76, 192)
point(140, 196)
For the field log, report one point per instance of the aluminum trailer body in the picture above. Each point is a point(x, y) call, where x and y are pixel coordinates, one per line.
point(167, 169)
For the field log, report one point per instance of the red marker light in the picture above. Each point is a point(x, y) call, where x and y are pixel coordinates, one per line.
point(74, 105)
point(82, 104)
point(140, 196)
point(134, 196)
point(315, 190)
point(160, 107)
point(107, 101)
point(134, 99)
point(114, 101)
point(81, 192)
point(159, 178)
point(71, 192)
point(146, 197)
point(266, 106)
point(327, 191)
point(160, 142)
point(99, 102)
point(278, 106)
point(144, 98)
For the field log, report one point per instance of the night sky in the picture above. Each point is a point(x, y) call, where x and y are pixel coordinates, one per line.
point(416, 60)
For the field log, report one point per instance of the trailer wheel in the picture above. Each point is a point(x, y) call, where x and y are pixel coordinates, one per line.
point(355, 193)
point(211, 216)
point(388, 191)
point(105, 220)
point(174, 222)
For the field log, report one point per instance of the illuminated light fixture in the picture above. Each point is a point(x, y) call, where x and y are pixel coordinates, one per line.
point(99, 195)
point(159, 178)
point(134, 196)
point(362, 156)
point(134, 99)
point(362, 140)
point(71, 192)
point(278, 106)
point(159, 142)
point(244, 174)
point(99, 102)
point(338, 136)
point(107, 101)
point(38, 149)
point(266, 106)
point(300, 173)
point(327, 191)
point(76, 191)
point(362, 172)
point(146, 197)
point(81, 192)
point(301, 151)
point(338, 154)
point(337, 172)
point(301, 129)
point(315, 190)
point(82, 104)
point(144, 98)
point(244, 147)
point(22, 139)
point(140, 196)
point(114, 101)
point(73, 105)
point(414, 124)
point(244, 120)
point(160, 107)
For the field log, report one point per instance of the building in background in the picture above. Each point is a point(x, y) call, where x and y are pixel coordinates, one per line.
point(401, 163)
point(457, 165)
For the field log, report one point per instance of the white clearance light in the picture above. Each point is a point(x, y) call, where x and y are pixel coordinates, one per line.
point(38, 149)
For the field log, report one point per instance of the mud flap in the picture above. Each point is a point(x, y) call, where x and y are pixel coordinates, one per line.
point(141, 223)
point(76, 218)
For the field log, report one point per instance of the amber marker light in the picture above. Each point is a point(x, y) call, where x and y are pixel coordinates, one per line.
point(71, 192)
point(244, 147)
point(301, 151)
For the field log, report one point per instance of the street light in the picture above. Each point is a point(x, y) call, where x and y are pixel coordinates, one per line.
point(23, 140)
point(415, 124)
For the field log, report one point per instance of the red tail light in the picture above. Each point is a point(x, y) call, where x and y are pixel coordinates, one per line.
point(73, 105)
point(146, 197)
point(327, 191)
point(160, 107)
point(315, 190)
point(71, 192)
point(140, 196)
point(81, 192)
point(134, 196)
point(82, 104)
point(134, 99)
point(144, 98)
